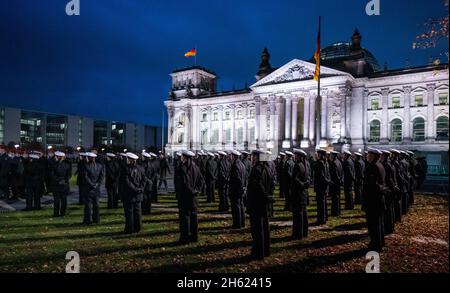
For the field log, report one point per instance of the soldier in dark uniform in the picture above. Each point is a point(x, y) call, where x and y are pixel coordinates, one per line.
point(260, 184)
point(49, 164)
point(191, 182)
point(247, 162)
point(322, 181)
point(272, 167)
point(60, 174)
point(112, 175)
point(150, 175)
point(163, 170)
point(299, 193)
point(421, 171)
point(177, 176)
point(157, 168)
point(203, 159)
point(80, 174)
point(413, 176)
point(133, 191)
point(349, 179)
point(373, 199)
point(4, 172)
point(280, 165)
point(400, 180)
point(336, 174)
point(122, 160)
point(404, 169)
point(210, 178)
point(34, 182)
point(360, 166)
point(92, 181)
point(391, 190)
point(238, 185)
point(287, 180)
point(223, 180)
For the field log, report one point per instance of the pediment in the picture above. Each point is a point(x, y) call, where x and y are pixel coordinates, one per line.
point(296, 70)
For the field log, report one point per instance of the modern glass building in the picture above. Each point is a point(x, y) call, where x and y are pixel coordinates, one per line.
point(57, 130)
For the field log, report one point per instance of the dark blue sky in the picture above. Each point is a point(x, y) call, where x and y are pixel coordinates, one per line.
point(113, 61)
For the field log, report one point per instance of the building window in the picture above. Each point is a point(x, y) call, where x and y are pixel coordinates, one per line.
point(80, 132)
point(227, 135)
point(204, 136)
point(204, 117)
point(418, 129)
point(443, 99)
point(374, 104)
point(442, 128)
point(396, 130)
point(418, 100)
point(2, 125)
point(227, 115)
point(252, 113)
point(180, 138)
point(396, 102)
point(374, 131)
point(240, 135)
point(216, 116)
point(252, 134)
point(215, 136)
point(240, 114)
point(31, 130)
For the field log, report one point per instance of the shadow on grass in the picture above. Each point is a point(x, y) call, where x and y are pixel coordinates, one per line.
point(311, 263)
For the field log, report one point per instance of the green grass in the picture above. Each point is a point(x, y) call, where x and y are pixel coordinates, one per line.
point(36, 242)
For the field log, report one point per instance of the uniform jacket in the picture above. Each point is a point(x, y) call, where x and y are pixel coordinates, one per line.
point(191, 183)
point(238, 179)
point(92, 179)
point(134, 184)
point(259, 188)
point(300, 183)
point(322, 178)
point(349, 172)
point(60, 174)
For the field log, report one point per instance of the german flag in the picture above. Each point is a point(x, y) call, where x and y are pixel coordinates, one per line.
point(191, 53)
point(317, 56)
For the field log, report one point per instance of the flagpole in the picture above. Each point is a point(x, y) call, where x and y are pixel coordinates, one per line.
point(196, 55)
point(319, 99)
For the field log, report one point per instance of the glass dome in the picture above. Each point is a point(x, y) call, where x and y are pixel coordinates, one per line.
point(342, 50)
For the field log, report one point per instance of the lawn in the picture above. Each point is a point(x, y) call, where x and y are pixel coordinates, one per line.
point(36, 242)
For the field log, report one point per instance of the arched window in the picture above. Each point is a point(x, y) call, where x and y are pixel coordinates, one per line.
point(374, 131)
point(418, 133)
point(396, 130)
point(442, 128)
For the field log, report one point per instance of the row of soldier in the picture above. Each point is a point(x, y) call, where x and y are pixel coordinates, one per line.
point(247, 180)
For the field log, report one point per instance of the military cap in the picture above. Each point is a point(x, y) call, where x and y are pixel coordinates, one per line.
point(245, 153)
point(188, 154)
point(347, 153)
point(60, 154)
point(358, 154)
point(300, 152)
point(178, 154)
point(395, 151)
point(282, 154)
point(147, 155)
point(211, 154)
point(235, 152)
point(289, 153)
point(386, 152)
point(132, 156)
point(91, 155)
point(222, 153)
point(111, 155)
point(34, 156)
point(410, 153)
point(334, 152)
point(374, 151)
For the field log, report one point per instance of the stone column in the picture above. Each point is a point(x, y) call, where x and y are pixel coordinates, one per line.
point(287, 122)
point(312, 118)
point(384, 116)
point(279, 131)
point(188, 126)
point(170, 112)
point(209, 125)
point(407, 114)
point(221, 125)
point(305, 141)
point(233, 125)
point(257, 118)
point(272, 100)
point(324, 121)
point(431, 135)
point(364, 114)
point(294, 120)
point(245, 130)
